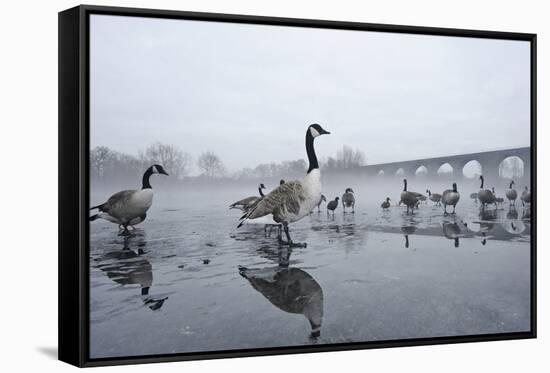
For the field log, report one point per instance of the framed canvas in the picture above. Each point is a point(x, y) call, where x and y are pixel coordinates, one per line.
point(238, 185)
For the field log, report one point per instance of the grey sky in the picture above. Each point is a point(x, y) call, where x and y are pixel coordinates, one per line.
point(248, 92)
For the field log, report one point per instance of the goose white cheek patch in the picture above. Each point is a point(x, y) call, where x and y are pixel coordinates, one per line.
point(314, 132)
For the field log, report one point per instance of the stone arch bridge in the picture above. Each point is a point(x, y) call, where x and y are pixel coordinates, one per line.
point(490, 163)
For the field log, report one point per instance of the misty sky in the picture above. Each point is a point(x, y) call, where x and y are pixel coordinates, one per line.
point(248, 92)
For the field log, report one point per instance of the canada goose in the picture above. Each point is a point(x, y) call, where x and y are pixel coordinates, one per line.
point(434, 197)
point(332, 205)
point(291, 290)
point(485, 196)
point(247, 202)
point(512, 194)
point(323, 199)
point(129, 207)
point(525, 196)
point(410, 199)
point(348, 200)
point(293, 200)
point(450, 197)
point(386, 204)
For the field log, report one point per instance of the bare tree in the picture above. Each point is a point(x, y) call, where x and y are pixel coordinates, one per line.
point(169, 156)
point(211, 165)
point(101, 159)
point(347, 157)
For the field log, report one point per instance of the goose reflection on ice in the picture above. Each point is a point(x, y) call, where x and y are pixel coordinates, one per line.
point(453, 231)
point(291, 290)
point(129, 267)
point(408, 230)
point(512, 224)
point(408, 227)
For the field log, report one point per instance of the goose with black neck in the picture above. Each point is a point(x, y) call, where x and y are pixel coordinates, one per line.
point(129, 207)
point(293, 200)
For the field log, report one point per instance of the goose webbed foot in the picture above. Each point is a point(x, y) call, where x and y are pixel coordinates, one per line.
point(292, 244)
point(124, 231)
point(289, 241)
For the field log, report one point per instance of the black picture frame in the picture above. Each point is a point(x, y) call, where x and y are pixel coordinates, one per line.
point(74, 183)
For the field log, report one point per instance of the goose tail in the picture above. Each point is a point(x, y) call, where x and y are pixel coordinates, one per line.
point(94, 217)
point(247, 213)
point(97, 207)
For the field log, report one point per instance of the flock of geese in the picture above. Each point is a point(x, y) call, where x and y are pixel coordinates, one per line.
point(291, 200)
point(451, 197)
point(286, 204)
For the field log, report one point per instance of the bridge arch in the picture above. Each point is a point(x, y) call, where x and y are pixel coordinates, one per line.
point(445, 170)
point(400, 172)
point(421, 171)
point(511, 167)
point(380, 173)
point(472, 169)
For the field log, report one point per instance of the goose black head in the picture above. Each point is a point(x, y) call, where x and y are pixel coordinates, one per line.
point(349, 190)
point(388, 199)
point(316, 130)
point(454, 187)
point(480, 177)
point(337, 198)
point(281, 182)
point(323, 198)
point(262, 186)
point(158, 169)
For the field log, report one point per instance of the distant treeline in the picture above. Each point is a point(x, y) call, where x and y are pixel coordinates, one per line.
point(108, 165)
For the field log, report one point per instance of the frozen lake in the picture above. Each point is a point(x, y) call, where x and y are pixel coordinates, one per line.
point(187, 280)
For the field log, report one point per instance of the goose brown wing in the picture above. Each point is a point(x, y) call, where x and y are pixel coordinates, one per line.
point(245, 201)
point(286, 198)
point(117, 200)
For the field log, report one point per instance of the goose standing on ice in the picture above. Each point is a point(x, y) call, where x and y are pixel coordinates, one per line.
point(410, 199)
point(129, 207)
point(511, 194)
point(323, 199)
point(293, 200)
point(386, 204)
point(525, 196)
point(485, 196)
point(332, 205)
point(450, 197)
point(434, 197)
point(245, 203)
point(348, 200)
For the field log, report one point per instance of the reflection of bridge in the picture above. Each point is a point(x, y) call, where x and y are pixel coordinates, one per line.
point(489, 161)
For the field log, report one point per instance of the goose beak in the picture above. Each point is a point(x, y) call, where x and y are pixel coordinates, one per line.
point(325, 132)
point(164, 173)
